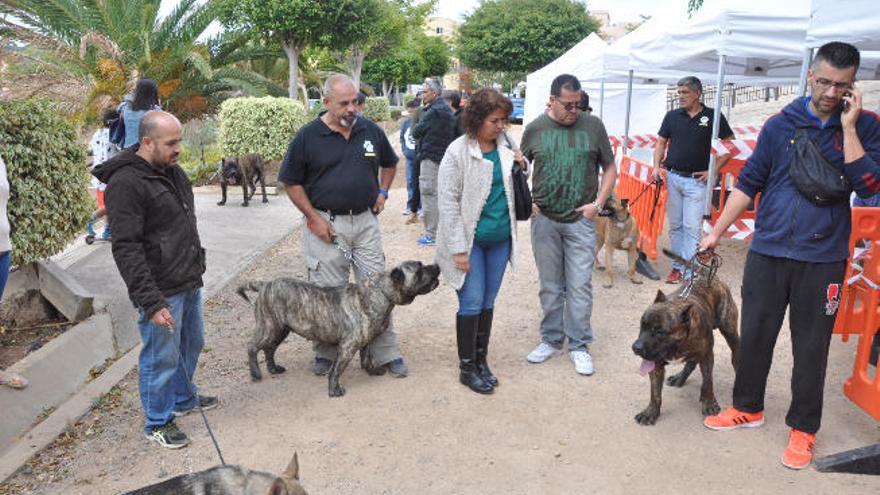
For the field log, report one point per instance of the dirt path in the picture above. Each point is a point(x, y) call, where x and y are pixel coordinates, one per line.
point(545, 430)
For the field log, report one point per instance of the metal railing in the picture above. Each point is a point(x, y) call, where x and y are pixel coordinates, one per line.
point(734, 95)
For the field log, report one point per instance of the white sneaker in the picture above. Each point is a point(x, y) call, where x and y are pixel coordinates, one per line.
point(406, 212)
point(583, 362)
point(543, 352)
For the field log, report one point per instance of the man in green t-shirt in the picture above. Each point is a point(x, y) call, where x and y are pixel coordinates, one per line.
point(567, 147)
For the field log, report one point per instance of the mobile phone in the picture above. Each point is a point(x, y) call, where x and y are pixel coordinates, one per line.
point(845, 103)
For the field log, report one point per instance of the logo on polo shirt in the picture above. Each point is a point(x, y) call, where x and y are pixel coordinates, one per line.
point(704, 121)
point(368, 148)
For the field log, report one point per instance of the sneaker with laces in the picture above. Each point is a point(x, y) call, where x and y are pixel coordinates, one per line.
point(799, 452)
point(206, 402)
point(543, 352)
point(583, 361)
point(407, 212)
point(168, 436)
point(398, 368)
point(732, 418)
point(674, 276)
point(426, 240)
point(321, 366)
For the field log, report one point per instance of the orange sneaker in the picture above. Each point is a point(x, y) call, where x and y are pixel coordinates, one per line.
point(732, 418)
point(799, 452)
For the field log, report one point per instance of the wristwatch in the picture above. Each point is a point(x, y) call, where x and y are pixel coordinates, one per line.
point(383, 192)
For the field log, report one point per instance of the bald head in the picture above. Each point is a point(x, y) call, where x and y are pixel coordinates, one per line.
point(156, 121)
point(337, 82)
point(160, 137)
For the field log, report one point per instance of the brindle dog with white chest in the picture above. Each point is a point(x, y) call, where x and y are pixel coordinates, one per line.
point(349, 317)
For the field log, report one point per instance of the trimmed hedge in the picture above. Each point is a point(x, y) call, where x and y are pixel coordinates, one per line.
point(377, 108)
point(49, 201)
point(259, 125)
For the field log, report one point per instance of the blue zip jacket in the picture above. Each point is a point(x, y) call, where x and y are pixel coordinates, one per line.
point(787, 224)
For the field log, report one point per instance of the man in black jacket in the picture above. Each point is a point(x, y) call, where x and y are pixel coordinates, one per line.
point(435, 130)
point(158, 253)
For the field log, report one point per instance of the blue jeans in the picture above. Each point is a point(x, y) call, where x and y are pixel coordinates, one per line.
point(685, 204)
point(5, 259)
point(412, 187)
point(564, 254)
point(168, 358)
point(487, 262)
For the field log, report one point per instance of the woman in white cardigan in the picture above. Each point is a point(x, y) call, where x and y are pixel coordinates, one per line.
point(6, 378)
point(476, 237)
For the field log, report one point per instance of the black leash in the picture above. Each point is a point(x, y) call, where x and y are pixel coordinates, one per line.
point(709, 261)
point(199, 406)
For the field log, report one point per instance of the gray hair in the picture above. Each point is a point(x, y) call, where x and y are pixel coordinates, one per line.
point(433, 85)
point(692, 83)
point(334, 80)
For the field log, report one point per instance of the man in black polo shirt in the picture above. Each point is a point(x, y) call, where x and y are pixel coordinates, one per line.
point(688, 131)
point(330, 173)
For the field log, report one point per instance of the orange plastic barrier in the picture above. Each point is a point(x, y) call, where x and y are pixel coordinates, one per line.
point(859, 312)
point(728, 175)
point(632, 179)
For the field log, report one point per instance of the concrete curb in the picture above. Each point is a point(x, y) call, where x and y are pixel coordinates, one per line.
point(80, 403)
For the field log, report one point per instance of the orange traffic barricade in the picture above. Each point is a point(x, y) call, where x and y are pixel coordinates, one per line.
point(647, 202)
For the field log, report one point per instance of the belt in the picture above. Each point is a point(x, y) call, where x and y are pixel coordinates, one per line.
point(342, 211)
point(684, 173)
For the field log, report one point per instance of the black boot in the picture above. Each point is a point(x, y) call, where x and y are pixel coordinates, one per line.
point(484, 330)
point(466, 333)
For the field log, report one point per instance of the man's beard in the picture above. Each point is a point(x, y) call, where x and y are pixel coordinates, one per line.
point(348, 121)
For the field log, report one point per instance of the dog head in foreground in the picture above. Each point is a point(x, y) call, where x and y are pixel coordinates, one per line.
point(411, 279)
point(230, 480)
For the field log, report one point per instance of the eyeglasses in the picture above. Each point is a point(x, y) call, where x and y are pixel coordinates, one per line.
point(572, 105)
point(824, 84)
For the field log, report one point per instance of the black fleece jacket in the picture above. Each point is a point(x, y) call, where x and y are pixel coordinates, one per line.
point(155, 240)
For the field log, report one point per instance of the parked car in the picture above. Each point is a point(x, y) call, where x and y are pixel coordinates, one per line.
point(518, 110)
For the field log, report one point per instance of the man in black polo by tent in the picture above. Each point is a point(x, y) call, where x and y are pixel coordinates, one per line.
point(330, 173)
point(688, 131)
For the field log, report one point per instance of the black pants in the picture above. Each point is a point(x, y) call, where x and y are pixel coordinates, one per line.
point(415, 203)
point(812, 292)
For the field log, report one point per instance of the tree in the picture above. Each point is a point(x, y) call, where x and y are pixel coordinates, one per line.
point(522, 35)
point(97, 49)
point(435, 54)
point(401, 66)
point(297, 24)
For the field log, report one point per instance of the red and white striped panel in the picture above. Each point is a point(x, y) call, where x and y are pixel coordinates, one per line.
point(741, 148)
point(747, 130)
point(741, 230)
point(639, 170)
point(744, 133)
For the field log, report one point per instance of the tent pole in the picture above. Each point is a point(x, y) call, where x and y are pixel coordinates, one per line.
point(629, 94)
point(716, 123)
point(802, 81)
point(601, 97)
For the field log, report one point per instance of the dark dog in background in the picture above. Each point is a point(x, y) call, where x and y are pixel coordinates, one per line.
point(229, 480)
point(246, 171)
point(679, 327)
point(349, 317)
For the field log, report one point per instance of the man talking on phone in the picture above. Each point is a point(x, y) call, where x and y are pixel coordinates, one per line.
point(799, 251)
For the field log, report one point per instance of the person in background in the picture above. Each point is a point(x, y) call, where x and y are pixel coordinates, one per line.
point(7, 378)
point(476, 236)
point(453, 99)
point(584, 105)
point(132, 111)
point(408, 147)
point(361, 103)
point(102, 150)
point(435, 130)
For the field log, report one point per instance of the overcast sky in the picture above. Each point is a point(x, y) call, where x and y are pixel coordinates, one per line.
point(621, 10)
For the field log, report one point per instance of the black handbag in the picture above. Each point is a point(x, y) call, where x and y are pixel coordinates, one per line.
point(814, 176)
point(522, 196)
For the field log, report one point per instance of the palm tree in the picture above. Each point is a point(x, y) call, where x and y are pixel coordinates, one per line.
point(104, 46)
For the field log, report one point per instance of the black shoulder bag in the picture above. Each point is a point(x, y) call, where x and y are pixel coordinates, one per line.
point(522, 196)
point(814, 176)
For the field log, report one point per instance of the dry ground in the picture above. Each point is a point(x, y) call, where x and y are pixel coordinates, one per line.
point(545, 430)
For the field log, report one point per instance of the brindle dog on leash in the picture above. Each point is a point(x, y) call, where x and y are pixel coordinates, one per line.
point(679, 327)
point(349, 317)
point(246, 170)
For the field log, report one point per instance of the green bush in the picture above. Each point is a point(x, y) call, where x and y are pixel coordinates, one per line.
point(317, 109)
point(377, 108)
point(408, 97)
point(49, 201)
point(259, 125)
point(395, 113)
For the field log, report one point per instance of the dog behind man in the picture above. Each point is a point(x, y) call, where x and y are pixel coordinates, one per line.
point(679, 327)
point(230, 480)
point(246, 171)
point(617, 230)
point(349, 317)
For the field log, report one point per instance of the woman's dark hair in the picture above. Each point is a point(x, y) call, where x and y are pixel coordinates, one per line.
point(146, 94)
point(480, 106)
point(109, 116)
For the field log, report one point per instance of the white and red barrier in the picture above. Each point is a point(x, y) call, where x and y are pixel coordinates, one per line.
point(745, 134)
